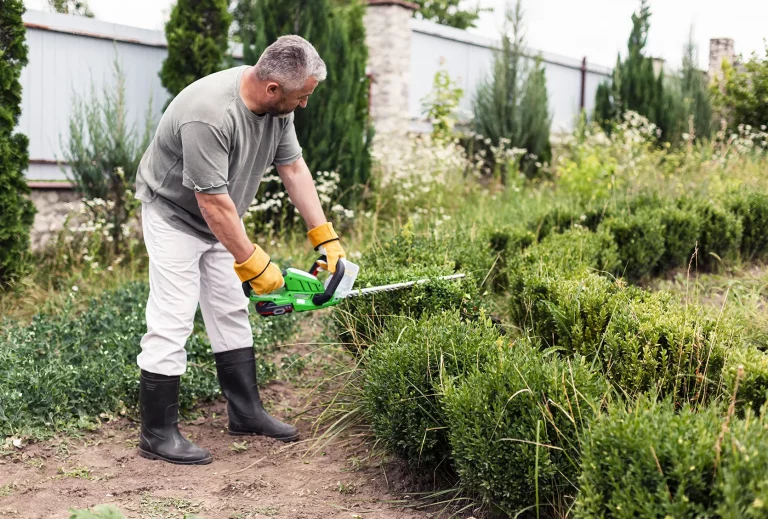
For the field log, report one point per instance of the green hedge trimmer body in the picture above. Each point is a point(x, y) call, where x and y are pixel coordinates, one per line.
point(303, 292)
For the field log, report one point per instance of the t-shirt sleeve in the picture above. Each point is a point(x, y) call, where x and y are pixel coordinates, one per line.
point(288, 149)
point(205, 152)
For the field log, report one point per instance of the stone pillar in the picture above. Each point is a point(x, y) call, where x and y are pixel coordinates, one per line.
point(658, 66)
point(388, 37)
point(719, 49)
point(53, 205)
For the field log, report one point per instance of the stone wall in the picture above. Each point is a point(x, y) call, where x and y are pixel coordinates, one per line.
point(719, 49)
point(388, 37)
point(53, 206)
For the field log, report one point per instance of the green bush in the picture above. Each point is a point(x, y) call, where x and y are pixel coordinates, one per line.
point(752, 209)
point(681, 230)
point(408, 257)
point(721, 232)
point(753, 379)
point(640, 241)
point(64, 370)
point(650, 461)
point(16, 209)
point(515, 428)
point(404, 377)
point(654, 343)
point(567, 253)
point(742, 483)
point(740, 92)
point(552, 294)
point(507, 243)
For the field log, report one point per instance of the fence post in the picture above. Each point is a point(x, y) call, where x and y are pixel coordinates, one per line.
point(583, 101)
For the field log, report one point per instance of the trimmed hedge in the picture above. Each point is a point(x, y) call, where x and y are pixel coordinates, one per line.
point(640, 241)
point(752, 209)
point(743, 485)
point(408, 257)
point(655, 234)
point(643, 341)
point(405, 374)
point(720, 235)
point(650, 461)
point(516, 427)
point(655, 461)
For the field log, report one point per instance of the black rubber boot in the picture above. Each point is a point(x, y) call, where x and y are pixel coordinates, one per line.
point(160, 437)
point(237, 376)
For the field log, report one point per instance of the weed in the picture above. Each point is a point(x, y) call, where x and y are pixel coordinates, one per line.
point(239, 447)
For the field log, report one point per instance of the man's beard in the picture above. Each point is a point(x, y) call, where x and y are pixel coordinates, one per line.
point(277, 110)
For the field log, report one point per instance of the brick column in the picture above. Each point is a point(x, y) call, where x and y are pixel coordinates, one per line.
point(388, 36)
point(719, 49)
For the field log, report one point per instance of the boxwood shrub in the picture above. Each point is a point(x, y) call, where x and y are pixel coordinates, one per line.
point(720, 234)
point(681, 232)
point(743, 484)
point(751, 207)
point(649, 460)
point(640, 241)
point(517, 426)
point(654, 343)
point(407, 257)
point(404, 377)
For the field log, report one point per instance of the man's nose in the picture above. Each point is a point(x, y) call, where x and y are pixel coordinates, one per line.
point(303, 103)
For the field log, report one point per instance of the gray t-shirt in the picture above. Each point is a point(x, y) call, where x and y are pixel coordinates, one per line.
point(209, 141)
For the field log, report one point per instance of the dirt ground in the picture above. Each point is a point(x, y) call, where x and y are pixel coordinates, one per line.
point(250, 477)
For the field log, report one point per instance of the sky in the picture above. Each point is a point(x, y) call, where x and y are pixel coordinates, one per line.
point(597, 29)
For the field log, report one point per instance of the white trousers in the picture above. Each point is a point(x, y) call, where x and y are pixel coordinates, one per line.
point(184, 270)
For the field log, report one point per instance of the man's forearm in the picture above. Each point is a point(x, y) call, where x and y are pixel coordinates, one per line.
point(302, 192)
point(221, 216)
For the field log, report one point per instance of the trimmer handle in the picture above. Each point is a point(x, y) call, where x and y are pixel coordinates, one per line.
point(321, 299)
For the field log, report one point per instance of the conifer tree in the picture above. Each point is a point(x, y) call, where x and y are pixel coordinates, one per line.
point(634, 85)
point(15, 207)
point(696, 98)
point(454, 13)
point(333, 130)
point(197, 33)
point(512, 102)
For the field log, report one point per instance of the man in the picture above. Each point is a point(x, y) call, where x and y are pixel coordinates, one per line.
point(196, 180)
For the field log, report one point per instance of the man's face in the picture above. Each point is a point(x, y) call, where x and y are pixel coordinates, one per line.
point(286, 102)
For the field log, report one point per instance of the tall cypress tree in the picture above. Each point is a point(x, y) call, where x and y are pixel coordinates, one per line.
point(197, 34)
point(511, 103)
point(16, 209)
point(634, 85)
point(334, 129)
point(693, 84)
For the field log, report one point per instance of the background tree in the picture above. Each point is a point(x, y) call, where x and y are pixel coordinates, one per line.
point(15, 207)
point(456, 13)
point(103, 152)
point(696, 98)
point(741, 95)
point(512, 102)
point(197, 42)
point(75, 7)
point(635, 86)
point(334, 129)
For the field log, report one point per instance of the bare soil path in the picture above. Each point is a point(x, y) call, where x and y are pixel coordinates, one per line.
point(250, 477)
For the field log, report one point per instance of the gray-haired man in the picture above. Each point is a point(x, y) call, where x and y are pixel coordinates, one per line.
point(196, 180)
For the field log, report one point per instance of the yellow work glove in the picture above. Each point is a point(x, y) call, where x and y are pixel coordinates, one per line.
point(325, 240)
point(263, 275)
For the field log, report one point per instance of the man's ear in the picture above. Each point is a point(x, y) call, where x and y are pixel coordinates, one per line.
point(272, 88)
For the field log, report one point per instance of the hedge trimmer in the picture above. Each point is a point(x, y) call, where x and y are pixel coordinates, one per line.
point(303, 292)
